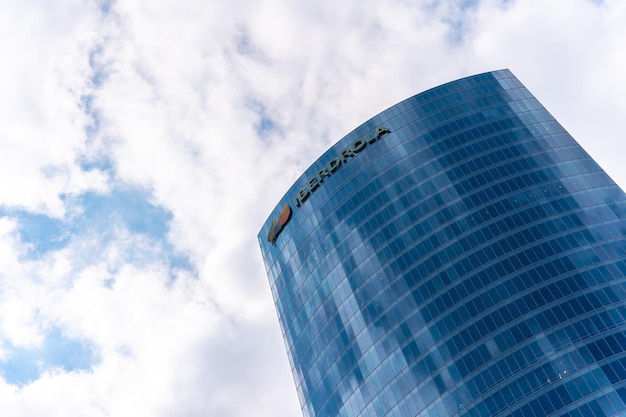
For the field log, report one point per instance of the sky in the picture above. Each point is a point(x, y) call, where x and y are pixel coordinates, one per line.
point(144, 143)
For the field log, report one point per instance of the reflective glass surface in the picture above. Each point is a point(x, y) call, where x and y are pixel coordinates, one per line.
point(468, 262)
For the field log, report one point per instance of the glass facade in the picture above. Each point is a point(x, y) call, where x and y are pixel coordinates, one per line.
point(462, 256)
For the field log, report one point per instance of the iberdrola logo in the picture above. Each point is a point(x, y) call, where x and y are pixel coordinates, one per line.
point(277, 225)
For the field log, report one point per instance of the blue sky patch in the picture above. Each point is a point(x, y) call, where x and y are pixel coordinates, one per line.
point(265, 126)
point(128, 208)
point(57, 351)
point(42, 233)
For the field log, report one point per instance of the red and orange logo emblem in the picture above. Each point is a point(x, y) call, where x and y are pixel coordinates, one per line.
point(277, 225)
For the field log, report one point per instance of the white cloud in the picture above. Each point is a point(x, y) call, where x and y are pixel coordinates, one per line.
point(45, 48)
point(181, 92)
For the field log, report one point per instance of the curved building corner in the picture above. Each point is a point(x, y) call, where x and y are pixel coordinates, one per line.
point(458, 254)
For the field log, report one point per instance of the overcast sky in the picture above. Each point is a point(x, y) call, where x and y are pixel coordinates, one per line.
point(144, 143)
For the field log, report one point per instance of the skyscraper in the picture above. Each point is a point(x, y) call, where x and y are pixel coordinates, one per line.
point(458, 254)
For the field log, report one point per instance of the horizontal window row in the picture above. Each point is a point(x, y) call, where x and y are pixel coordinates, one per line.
point(370, 191)
point(551, 396)
point(362, 192)
point(504, 289)
point(436, 117)
point(485, 356)
point(521, 356)
point(540, 273)
point(461, 90)
point(516, 334)
point(514, 263)
point(509, 337)
point(603, 404)
point(558, 205)
point(490, 196)
point(514, 309)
